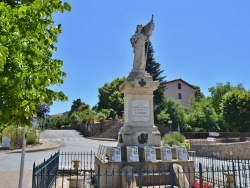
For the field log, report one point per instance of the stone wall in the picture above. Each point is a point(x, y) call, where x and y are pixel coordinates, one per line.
point(229, 150)
point(106, 129)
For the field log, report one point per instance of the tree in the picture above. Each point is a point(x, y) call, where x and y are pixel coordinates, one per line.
point(170, 109)
point(27, 69)
point(198, 94)
point(110, 97)
point(41, 111)
point(14, 3)
point(78, 105)
point(201, 117)
point(219, 91)
point(153, 68)
point(236, 110)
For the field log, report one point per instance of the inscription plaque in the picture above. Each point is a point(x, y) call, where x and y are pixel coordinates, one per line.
point(140, 110)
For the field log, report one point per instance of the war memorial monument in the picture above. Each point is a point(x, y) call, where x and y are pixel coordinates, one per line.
point(139, 141)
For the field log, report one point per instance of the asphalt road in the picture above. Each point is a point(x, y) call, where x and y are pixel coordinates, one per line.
point(70, 141)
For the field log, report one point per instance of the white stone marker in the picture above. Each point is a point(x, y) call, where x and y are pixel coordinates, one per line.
point(6, 142)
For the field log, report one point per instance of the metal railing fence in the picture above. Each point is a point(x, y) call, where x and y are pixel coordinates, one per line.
point(86, 160)
point(163, 177)
point(208, 171)
point(44, 175)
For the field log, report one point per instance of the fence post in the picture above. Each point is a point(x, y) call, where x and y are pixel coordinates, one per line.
point(213, 174)
point(200, 175)
point(171, 176)
point(239, 170)
point(98, 177)
point(48, 178)
point(33, 176)
point(234, 174)
point(140, 176)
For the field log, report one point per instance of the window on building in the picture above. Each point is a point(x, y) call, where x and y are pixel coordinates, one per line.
point(179, 86)
point(179, 95)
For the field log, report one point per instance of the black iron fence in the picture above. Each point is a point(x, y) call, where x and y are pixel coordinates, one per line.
point(44, 174)
point(214, 160)
point(86, 160)
point(77, 170)
point(199, 177)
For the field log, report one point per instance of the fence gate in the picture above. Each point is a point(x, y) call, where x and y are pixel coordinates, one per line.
point(44, 174)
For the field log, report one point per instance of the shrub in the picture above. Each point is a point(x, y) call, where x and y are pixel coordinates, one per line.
point(187, 145)
point(16, 135)
point(31, 140)
point(100, 117)
point(175, 138)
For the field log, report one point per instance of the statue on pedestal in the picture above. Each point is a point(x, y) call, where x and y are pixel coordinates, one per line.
point(138, 41)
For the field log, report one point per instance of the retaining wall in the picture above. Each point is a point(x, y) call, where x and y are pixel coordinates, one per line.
point(230, 150)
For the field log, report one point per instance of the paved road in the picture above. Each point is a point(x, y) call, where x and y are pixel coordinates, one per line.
point(70, 141)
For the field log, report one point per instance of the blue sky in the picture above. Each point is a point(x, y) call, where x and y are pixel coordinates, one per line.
point(202, 42)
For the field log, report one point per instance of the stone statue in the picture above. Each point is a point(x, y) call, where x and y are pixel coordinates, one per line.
point(138, 41)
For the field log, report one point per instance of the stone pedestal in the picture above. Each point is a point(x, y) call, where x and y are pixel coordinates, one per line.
point(114, 174)
point(138, 129)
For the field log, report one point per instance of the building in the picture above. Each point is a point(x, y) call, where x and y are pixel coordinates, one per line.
point(179, 90)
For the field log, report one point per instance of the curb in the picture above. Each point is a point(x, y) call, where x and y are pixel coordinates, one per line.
point(104, 139)
point(43, 147)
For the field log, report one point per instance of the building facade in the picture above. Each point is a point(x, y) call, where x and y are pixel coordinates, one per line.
point(180, 91)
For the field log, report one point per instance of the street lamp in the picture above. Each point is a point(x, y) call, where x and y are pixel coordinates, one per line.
point(169, 122)
point(208, 108)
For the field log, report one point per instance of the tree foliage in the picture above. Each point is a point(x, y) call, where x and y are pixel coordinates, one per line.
point(42, 110)
point(78, 105)
point(201, 117)
point(219, 91)
point(14, 3)
point(27, 41)
point(110, 97)
point(198, 94)
point(153, 68)
point(236, 110)
point(170, 109)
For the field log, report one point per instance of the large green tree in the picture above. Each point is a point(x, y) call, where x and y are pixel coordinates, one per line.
point(170, 109)
point(153, 68)
point(219, 91)
point(110, 97)
point(201, 117)
point(236, 110)
point(27, 41)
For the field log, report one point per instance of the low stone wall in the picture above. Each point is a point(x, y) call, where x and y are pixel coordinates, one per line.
point(230, 150)
point(107, 129)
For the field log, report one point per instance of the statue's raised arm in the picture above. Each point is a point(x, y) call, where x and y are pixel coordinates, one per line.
point(138, 41)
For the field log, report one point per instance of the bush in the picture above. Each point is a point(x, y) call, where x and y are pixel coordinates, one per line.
point(31, 140)
point(16, 135)
point(175, 138)
point(100, 117)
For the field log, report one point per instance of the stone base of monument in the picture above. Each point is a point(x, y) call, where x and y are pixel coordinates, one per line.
point(139, 136)
point(119, 174)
